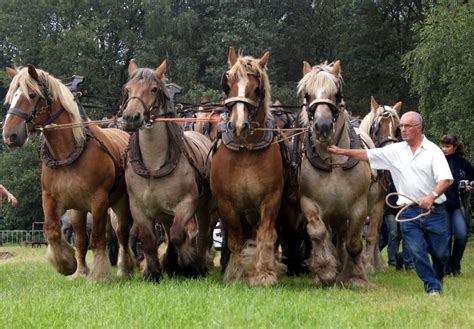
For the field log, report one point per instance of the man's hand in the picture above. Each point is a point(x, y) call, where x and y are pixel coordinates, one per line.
point(426, 202)
point(12, 200)
point(336, 150)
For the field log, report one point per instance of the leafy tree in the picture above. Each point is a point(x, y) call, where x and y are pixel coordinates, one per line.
point(441, 70)
point(20, 172)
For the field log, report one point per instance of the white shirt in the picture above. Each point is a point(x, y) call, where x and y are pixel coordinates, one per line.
point(414, 175)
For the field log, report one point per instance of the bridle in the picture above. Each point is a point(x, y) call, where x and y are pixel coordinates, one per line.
point(375, 127)
point(29, 118)
point(251, 105)
point(149, 112)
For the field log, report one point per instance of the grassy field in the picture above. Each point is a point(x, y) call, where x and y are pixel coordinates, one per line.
point(33, 295)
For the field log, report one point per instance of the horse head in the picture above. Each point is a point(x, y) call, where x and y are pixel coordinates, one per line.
point(382, 123)
point(247, 88)
point(321, 89)
point(145, 96)
point(36, 99)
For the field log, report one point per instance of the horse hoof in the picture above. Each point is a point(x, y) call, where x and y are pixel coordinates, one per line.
point(353, 283)
point(78, 275)
point(263, 280)
point(152, 275)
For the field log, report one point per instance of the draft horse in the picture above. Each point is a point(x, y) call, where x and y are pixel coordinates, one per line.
point(81, 170)
point(167, 178)
point(247, 173)
point(333, 189)
point(381, 124)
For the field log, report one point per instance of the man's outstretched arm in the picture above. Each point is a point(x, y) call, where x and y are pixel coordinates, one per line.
point(359, 154)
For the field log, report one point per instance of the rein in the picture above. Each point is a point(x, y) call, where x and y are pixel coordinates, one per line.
point(404, 207)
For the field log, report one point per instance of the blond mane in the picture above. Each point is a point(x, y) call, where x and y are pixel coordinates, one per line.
point(56, 89)
point(248, 65)
point(371, 117)
point(319, 79)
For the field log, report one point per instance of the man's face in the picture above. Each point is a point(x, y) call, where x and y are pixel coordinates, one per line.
point(410, 128)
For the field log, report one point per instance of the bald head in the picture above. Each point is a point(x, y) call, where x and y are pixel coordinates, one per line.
point(413, 117)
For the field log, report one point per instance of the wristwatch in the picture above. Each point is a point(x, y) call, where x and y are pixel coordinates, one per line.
point(435, 194)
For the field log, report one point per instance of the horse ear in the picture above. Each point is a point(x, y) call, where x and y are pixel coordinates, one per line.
point(398, 107)
point(11, 72)
point(132, 67)
point(306, 67)
point(336, 68)
point(373, 104)
point(264, 60)
point(161, 70)
point(232, 59)
point(32, 72)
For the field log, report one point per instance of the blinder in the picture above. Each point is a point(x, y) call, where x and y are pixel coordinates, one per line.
point(29, 118)
point(250, 104)
point(333, 106)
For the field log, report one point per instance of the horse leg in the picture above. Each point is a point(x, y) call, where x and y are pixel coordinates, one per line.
point(101, 269)
point(372, 258)
point(206, 219)
point(60, 253)
point(152, 270)
point(235, 237)
point(291, 234)
point(266, 267)
point(353, 274)
point(323, 261)
point(125, 262)
point(183, 230)
point(79, 225)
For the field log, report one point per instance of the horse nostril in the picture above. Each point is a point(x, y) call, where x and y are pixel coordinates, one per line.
point(245, 126)
point(136, 117)
point(13, 138)
point(230, 126)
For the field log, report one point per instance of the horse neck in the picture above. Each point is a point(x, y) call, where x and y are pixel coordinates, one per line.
point(60, 142)
point(154, 145)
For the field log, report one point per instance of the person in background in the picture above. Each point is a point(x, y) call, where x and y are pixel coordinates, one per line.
point(463, 172)
point(4, 193)
point(393, 235)
point(420, 173)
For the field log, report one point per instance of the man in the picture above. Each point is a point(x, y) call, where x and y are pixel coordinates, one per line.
point(419, 171)
point(5, 193)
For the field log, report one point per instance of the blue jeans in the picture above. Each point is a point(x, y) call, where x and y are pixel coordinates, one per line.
point(393, 241)
point(427, 235)
point(457, 233)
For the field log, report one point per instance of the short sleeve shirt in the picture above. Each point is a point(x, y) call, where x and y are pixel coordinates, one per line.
point(414, 174)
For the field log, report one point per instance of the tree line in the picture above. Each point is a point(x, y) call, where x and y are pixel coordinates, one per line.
point(416, 51)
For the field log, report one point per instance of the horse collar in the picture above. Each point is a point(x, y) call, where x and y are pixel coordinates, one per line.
point(52, 163)
point(315, 158)
point(172, 158)
point(234, 144)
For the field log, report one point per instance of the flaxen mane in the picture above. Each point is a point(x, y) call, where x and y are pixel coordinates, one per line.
point(319, 79)
point(247, 65)
point(56, 91)
point(370, 118)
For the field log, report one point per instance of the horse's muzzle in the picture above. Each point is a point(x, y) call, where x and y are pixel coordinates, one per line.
point(132, 121)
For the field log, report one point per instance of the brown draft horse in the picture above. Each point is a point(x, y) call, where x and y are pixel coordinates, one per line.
point(247, 174)
point(166, 177)
point(382, 125)
point(333, 189)
point(81, 170)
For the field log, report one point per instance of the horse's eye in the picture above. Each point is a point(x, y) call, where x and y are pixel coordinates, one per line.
point(154, 90)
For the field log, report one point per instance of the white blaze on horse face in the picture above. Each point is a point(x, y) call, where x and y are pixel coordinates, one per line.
point(240, 106)
point(16, 98)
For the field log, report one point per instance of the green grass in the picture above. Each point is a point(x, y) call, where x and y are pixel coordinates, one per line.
point(33, 295)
